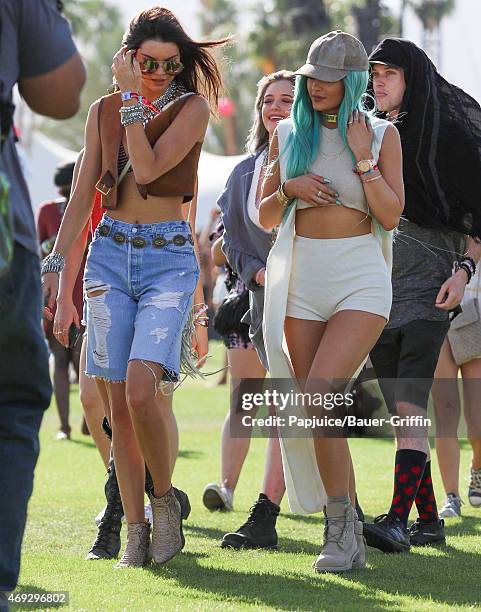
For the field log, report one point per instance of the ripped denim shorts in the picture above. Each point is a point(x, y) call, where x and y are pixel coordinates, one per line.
point(139, 283)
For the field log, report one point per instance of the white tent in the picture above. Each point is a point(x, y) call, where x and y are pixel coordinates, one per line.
point(44, 155)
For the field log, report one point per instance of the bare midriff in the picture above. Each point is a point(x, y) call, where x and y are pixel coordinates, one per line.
point(132, 208)
point(331, 222)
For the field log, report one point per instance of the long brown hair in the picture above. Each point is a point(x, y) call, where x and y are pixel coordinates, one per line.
point(258, 135)
point(201, 73)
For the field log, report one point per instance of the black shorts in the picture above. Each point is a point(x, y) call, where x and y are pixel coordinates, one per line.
point(406, 358)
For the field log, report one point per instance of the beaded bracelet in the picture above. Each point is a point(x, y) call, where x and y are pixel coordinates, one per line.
point(467, 264)
point(55, 262)
point(137, 107)
point(199, 317)
point(463, 266)
point(131, 114)
point(470, 261)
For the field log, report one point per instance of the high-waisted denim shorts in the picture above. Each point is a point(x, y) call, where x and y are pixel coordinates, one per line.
point(138, 286)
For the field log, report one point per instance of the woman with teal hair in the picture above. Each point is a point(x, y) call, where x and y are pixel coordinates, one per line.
point(336, 187)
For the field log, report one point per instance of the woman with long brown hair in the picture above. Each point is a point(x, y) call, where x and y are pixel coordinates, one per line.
point(141, 276)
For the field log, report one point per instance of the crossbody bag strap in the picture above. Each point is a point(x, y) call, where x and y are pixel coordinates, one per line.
point(188, 214)
point(127, 167)
point(196, 193)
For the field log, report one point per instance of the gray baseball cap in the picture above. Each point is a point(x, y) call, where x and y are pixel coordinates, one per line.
point(333, 56)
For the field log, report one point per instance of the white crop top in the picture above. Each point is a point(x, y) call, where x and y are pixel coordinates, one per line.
point(334, 162)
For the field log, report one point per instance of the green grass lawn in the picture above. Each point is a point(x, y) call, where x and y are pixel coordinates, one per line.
point(69, 493)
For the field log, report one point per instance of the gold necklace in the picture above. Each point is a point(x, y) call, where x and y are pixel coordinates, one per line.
point(329, 118)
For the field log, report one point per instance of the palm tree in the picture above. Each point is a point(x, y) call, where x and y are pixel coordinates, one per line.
point(431, 13)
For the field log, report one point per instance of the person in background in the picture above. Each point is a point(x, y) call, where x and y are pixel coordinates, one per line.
point(436, 120)
point(48, 223)
point(214, 277)
point(447, 407)
point(37, 53)
point(243, 246)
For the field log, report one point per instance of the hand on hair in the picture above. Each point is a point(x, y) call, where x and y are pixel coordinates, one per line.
point(126, 70)
point(359, 135)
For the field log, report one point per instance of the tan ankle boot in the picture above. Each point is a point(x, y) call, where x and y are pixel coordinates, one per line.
point(340, 546)
point(167, 536)
point(136, 552)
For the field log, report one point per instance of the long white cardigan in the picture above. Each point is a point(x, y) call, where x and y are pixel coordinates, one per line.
point(305, 490)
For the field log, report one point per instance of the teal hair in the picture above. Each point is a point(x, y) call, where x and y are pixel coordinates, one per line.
point(303, 142)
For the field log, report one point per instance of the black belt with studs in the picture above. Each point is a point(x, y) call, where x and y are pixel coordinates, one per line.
point(139, 242)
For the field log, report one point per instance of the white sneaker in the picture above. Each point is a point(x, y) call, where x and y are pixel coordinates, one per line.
point(148, 513)
point(216, 497)
point(100, 515)
point(474, 491)
point(451, 507)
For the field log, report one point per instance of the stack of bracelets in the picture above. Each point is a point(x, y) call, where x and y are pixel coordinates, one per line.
point(143, 109)
point(132, 114)
point(467, 264)
point(365, 168)
point(200, 318)
point(283, 200)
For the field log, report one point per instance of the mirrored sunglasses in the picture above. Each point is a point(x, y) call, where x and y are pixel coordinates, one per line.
point(170, 66)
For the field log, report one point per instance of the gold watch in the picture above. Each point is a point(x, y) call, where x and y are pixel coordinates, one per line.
point(365, 165)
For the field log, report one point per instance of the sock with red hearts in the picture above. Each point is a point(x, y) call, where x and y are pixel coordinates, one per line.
point(409, 467)
point(425, 500)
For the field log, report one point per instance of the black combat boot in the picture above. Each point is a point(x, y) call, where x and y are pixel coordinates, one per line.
point(107, 542)
point(259, 531)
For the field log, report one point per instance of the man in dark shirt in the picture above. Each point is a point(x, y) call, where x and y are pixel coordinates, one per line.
point(430, 239)
point(48, 223)
point(38, 54)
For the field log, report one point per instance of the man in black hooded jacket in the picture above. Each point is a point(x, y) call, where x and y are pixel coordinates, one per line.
point(440, 129)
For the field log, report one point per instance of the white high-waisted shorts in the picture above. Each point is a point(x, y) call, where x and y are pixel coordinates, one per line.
point(330, 275)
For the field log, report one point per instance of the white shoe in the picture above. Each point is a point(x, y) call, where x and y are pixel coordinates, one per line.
point(100, 515)
point(216, 497)
point(452, 506)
